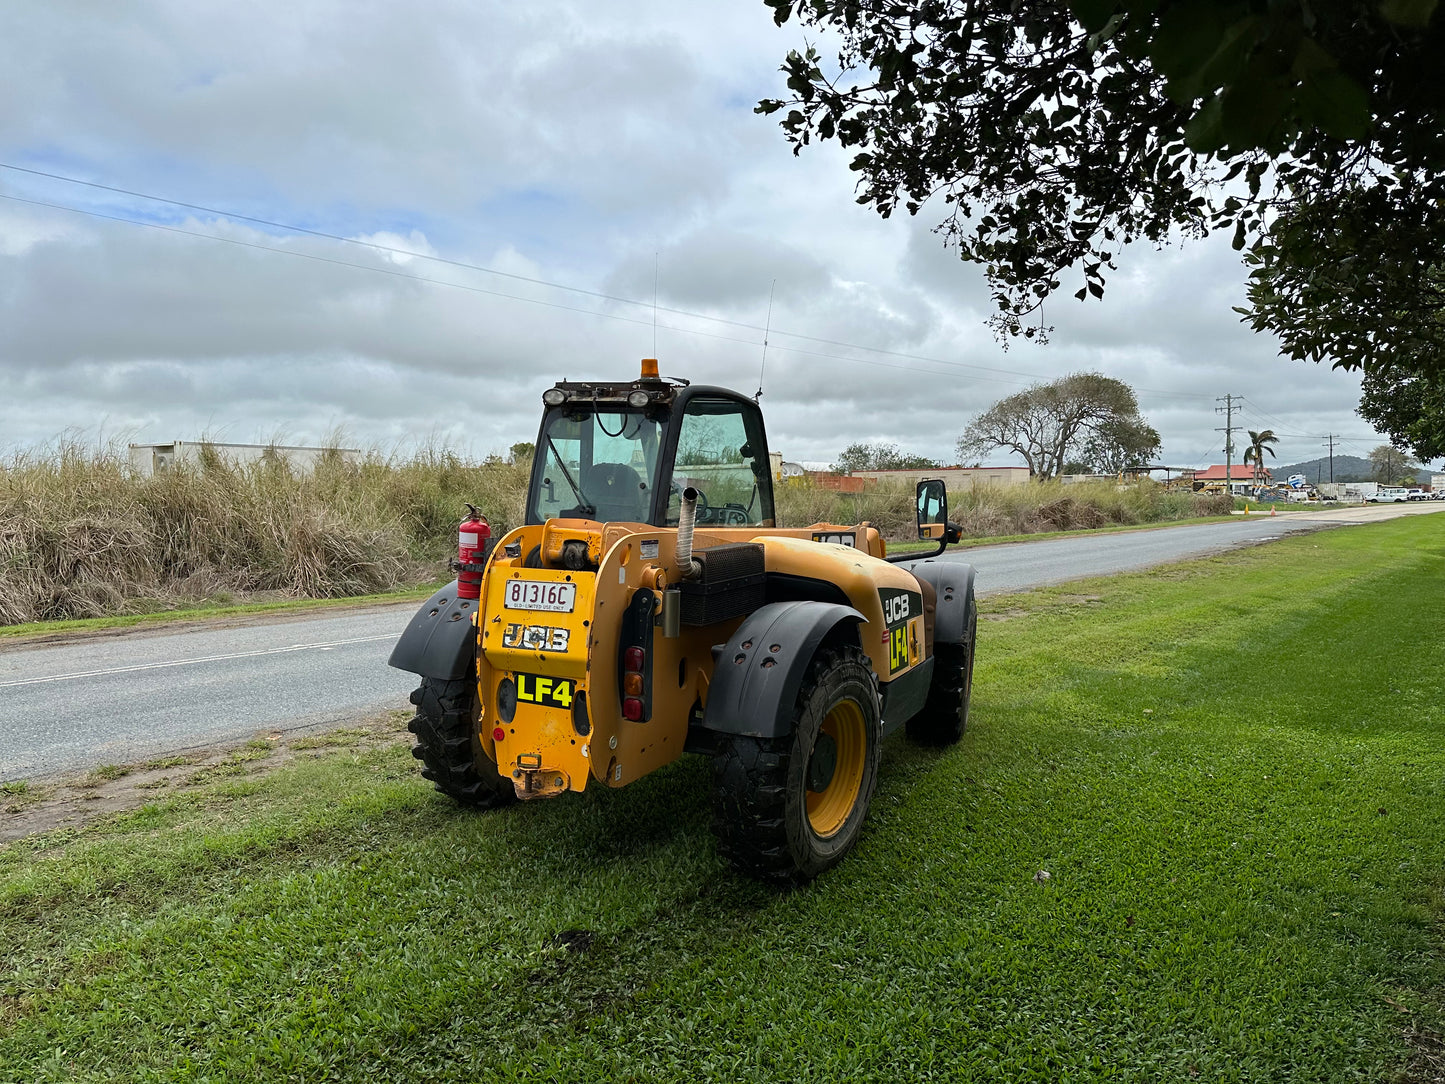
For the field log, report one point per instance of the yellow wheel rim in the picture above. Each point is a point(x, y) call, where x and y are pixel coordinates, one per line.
point(828, 808)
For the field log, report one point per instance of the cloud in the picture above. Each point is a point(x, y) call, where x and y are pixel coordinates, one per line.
point(582, 144)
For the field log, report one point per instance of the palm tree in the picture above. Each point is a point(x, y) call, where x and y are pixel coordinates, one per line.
point(1259, 443)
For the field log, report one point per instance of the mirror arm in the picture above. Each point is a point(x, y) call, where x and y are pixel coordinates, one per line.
point(899, 558)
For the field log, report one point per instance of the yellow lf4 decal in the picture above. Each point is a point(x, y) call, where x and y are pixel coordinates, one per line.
point(552, 692)
point(897, 648)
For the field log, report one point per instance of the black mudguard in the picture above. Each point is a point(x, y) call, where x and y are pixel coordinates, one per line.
point(754, 687)
point(440, 641)
point(954, 584)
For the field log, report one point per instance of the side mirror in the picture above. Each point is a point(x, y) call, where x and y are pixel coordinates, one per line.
point(932, 510)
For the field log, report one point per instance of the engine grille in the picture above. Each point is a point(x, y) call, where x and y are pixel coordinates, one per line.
point(732, 582)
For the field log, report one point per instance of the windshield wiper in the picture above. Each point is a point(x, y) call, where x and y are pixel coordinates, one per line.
point(583, 504)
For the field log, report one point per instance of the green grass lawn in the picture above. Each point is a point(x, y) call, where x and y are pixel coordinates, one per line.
point(44, 629)
point(1233, 772)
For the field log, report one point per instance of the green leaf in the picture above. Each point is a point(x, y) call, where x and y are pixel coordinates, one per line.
point(1312, 58)
point(1093, 14)
point(1205, 131)
point(1187, 36)
point(1415, 13)
point(782, 10)
point(1337, 104)
point(1096, 41)
point(1253, 111)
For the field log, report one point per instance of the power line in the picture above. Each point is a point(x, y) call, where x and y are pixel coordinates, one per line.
point(492, 293)
point(1233, 403)
point(462, 264)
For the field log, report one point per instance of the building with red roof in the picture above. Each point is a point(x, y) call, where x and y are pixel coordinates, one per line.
point(1239, 474)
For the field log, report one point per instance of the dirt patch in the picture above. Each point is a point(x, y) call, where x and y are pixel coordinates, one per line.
point(1004, 615)
point(75, 799)
point(1427, 1058)
point(1042, 604)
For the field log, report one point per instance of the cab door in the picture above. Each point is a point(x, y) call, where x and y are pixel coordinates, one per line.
point(721, 451)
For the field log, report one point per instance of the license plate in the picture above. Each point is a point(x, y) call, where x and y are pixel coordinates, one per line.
point(541, 595)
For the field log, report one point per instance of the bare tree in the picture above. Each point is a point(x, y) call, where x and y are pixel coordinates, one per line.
point(1050, 423)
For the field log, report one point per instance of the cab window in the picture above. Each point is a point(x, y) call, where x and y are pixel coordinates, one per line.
point(595, 464)
point(721, 453)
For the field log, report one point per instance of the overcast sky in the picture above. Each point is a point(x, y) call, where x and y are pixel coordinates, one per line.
point(599, 147)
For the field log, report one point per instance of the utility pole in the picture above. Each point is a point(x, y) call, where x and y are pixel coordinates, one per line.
point(1230, 406)
point(1331, 445)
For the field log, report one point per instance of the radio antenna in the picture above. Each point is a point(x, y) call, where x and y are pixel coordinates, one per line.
point(767, 328)
point(654, 304)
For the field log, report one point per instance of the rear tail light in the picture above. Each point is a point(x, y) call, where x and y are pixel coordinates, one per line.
point(634, 665)
point(634, 670)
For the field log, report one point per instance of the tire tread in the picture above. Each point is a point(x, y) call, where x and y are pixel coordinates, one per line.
point(443, 729)
point(750, 785)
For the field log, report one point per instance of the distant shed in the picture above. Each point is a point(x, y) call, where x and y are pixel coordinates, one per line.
point(148, 459)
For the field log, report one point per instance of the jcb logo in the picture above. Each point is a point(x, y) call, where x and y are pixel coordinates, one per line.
point(899, 605)
point(536, 637)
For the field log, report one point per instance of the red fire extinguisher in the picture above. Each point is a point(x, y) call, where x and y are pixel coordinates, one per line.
point(474, 538)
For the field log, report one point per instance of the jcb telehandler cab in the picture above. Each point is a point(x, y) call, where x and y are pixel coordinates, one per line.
point(649, 606)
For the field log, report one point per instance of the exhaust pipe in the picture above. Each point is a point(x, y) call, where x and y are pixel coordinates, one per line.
point(686, 517)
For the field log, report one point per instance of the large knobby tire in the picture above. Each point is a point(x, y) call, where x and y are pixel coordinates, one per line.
point(786, 809)
point(945, 714)
point(445, 729)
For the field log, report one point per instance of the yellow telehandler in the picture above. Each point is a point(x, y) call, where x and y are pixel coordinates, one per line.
point(649, 606)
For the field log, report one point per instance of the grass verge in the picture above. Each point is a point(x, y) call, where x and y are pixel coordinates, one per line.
point(43, 629)
point(1044, 536)
point(1231, 771)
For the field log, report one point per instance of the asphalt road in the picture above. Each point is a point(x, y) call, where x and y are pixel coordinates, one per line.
point(1021, 565)
point(118, 699)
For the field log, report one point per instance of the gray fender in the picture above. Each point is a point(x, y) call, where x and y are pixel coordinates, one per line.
point(754, 687)
point(440, 641)
point(954, 584)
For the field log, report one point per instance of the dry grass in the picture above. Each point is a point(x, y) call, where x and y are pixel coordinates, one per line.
point(81, 535)
point(1001, 510)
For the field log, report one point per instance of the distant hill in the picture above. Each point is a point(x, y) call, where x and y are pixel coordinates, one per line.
point(1348, 468)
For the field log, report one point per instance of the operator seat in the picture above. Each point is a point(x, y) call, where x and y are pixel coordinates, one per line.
point(617, 492)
